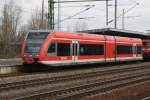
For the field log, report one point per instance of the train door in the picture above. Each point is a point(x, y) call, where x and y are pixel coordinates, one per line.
point(75, 50)
point(110, 50)
point(134, 48)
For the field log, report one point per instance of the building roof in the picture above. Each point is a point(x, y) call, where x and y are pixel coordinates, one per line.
point(118, 32)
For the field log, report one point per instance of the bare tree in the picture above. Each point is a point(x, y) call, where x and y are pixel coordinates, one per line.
point(9, 25)
point(22, 33)
point(36, 21)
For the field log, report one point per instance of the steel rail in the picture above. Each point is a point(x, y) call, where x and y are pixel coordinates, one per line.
point(53, 80)
point(11, 75)
point(89, 88)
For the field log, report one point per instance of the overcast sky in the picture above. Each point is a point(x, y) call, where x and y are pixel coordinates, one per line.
point(138, 18)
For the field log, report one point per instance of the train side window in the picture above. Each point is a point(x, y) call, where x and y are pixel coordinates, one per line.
point(63, 49)
point(146, 43)
point(51, 49)
point(121, 49)
point(91, 49)
point(134, 50)
point(139, 49)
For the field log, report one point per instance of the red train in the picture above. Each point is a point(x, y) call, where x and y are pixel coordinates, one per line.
point(60, 48)
point(146, 49)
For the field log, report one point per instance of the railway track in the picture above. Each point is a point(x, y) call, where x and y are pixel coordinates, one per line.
point(92, 87)
point(30, 76)
point(83, 80)
point(53, 80)
point(23, 72)
point(84, 90)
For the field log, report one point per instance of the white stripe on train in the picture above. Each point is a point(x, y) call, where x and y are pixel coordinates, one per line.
point(89, 61)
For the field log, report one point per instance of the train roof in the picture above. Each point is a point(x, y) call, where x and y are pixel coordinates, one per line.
point(96, 37)
point(42, 30)
point(118, 32)
point(77, 36)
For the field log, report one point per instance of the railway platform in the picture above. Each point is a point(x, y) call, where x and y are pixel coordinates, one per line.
point(9, 65)
point(10, 62)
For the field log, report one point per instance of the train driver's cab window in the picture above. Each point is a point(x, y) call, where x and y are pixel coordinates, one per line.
point(51, 49)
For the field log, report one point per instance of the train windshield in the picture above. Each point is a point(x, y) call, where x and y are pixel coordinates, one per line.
point(34, 42)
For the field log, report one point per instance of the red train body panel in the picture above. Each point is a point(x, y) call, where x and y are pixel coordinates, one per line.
point(60, 48)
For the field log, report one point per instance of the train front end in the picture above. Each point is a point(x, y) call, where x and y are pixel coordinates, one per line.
point(31, 46)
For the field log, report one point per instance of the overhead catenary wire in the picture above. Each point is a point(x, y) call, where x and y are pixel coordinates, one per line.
point(73, 1)
point(134, 1)
point(75, 14)
point(70, 1)
point(75, 6)
point(85, 18)
point(125, 12)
